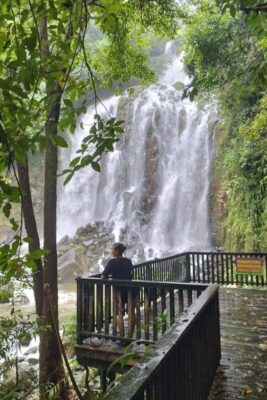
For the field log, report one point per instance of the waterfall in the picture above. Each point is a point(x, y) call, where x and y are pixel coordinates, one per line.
point(153, 189)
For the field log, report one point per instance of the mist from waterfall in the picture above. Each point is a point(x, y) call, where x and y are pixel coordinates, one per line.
point(153, 189)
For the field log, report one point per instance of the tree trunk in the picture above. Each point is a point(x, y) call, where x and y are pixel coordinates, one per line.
point(32, 232)
point(51, 364)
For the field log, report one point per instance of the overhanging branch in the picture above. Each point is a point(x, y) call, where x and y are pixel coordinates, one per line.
point(258, 8)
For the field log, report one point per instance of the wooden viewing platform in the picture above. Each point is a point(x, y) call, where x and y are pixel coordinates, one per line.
point(183, 289)
point(243, 368)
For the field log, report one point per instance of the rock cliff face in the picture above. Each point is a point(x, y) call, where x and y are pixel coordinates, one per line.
point(218, 197)
point(151, 165)
point(80, 255)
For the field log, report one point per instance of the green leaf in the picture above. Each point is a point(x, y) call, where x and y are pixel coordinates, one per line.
point(7, 209)
point(68, 102)
point(86, 160)
point(30, 42)
point(36, 254)
point(118, 129)
point(69, 177)
point(110, 147)
point(232, 10)
point(61, 28)
point(19, 91)
point(14, 224)
point(27, 239)
point(59, 141)
point(4, 84)
point(75, 161)
point(95, 166)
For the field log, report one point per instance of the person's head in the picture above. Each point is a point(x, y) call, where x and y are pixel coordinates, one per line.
point(118, 249)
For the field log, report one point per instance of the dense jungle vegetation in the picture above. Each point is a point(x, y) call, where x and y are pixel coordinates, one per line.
point(226, 56)
point(52, 55)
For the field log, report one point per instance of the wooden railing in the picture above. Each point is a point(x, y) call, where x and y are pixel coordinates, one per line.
point(221, 268)
point(185, 360)
point(159, 297)
point(204, 267)
point(152, 307)
point(169, 269)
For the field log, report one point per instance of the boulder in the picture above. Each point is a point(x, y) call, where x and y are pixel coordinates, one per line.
point(33, 361)
point(31, 350)
point(67, 266)
point(82, 254)
point(179, 85)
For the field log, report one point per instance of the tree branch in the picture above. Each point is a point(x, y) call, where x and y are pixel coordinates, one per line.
point(257, 8)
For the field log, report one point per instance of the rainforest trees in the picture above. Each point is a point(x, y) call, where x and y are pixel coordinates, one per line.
point(48, 62)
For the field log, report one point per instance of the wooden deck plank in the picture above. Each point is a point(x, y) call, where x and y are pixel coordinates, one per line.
point(243, 370)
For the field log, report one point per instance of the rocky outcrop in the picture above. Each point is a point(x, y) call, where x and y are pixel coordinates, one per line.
point(218, 196)
point(151, 165)
point(80, 255)
point(179, 85)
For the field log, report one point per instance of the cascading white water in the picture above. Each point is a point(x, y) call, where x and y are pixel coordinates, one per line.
point(153, 189)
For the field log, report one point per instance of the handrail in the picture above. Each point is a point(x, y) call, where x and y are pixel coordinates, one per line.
point(160, 259)
point(138, 283)
point(206, 267)
point(188, 353)
point(221, 268)
point(100, 308)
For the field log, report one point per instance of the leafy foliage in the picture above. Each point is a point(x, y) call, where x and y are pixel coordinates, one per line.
point(102, 136)
point(226, 56)
point(13, 332)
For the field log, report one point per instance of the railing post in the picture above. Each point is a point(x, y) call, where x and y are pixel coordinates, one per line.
point(188, 269)
point(79, 310)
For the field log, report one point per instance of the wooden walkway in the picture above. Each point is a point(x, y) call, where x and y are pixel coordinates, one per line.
point(243, 370)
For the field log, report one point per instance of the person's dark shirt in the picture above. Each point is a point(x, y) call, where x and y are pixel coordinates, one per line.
point(119, 268)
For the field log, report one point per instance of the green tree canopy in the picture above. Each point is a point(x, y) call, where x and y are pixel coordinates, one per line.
point(226, 55)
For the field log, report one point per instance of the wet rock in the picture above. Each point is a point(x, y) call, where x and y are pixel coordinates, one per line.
point(83, 253)
point(31, 350)
point(88, 242)
point(33, 361)
point(21, 300)
point(64, 241)
point(67, 258)
point(81, 231)
point(67, 265)
point(179, 85)
point(151, 165)
point(181, 121)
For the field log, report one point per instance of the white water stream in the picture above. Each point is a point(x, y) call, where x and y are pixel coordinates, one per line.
point(153, 189)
